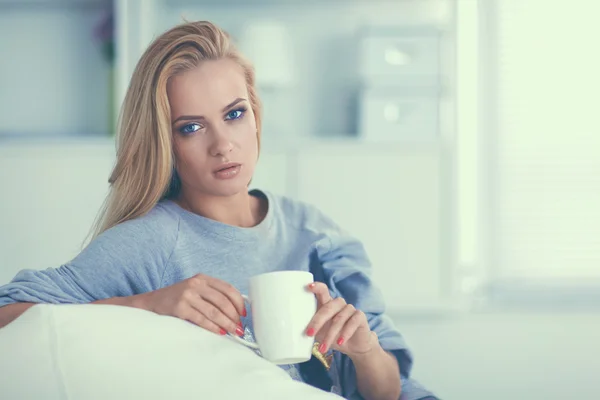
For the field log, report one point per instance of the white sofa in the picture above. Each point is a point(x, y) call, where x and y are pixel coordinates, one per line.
point(89, 352)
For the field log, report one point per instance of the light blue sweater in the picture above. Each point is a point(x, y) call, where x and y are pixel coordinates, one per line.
point(170, 244)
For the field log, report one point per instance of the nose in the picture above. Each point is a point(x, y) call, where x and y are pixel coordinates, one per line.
point(221, 145)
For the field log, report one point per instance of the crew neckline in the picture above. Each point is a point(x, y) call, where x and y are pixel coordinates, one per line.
point(228, 231)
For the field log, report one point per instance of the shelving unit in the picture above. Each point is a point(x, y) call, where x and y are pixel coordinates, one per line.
point(54, 80)
point(77, 91)
point(323, 101)
point(61, 124)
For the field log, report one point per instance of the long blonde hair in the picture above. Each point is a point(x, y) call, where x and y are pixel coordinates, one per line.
point(144, 172)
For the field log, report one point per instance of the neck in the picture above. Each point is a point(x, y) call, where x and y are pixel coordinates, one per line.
point(241, 209)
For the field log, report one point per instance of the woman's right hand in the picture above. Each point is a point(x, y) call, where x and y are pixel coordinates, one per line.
point(203, 300)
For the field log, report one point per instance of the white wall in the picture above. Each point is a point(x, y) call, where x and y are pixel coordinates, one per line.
point(51, 193)
point(501, 356)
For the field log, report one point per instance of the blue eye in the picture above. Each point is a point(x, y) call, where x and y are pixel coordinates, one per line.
point(189, 129)
point(235, 114)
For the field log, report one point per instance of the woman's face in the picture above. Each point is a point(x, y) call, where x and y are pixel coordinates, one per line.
point(214, 130)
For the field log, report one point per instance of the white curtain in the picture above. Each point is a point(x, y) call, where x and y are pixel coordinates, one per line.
point(546, 152)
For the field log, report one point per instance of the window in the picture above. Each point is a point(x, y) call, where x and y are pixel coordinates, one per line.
point(538, 172)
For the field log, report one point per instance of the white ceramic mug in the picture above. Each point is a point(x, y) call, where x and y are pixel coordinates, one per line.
point(282, 307)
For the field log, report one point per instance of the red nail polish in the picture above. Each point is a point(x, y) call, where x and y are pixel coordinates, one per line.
point(310, 332)
point(244, 313)
point(322, 348)
point(340, 341)
point(222, 331)
point(239, 331)
point(240, 325)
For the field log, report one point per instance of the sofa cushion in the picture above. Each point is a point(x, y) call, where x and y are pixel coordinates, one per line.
point(105, 352)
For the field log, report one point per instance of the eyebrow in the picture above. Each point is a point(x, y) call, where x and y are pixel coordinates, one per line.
point(190, 117)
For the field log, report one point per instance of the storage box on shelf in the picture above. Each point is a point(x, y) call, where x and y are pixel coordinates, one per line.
point(400, 76)
point(394, 56)
point(393, 116)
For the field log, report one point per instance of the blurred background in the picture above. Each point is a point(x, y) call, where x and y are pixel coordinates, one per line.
point(459, 139)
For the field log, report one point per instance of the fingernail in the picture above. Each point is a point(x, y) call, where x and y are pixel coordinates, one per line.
point(310, 332)
point(340, 341)
point(239, 331)
point(222, 331)
point(322, 348)
point(240, 325)
point(244, 313)
point(311, 285)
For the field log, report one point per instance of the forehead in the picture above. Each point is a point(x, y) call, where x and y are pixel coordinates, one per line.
point(207, 88)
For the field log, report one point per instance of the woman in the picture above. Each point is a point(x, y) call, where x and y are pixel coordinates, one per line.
point(180, 234)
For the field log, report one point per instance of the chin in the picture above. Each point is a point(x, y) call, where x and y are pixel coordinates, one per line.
point(226, 189)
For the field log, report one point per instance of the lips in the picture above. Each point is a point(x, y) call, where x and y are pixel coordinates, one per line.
point(227, 171)
point(224, 167)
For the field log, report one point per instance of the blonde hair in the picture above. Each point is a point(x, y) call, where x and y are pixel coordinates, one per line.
point(144, 172)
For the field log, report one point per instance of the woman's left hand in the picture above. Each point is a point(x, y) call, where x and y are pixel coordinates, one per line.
point(339, 325)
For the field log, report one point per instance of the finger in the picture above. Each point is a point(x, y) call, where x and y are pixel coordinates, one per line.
point(337, 324)
point(324, 314)
point(222, 302)
point(231, 292)
point(216, 316)
point(357, 321)
point(194, 316)
point(321, 291)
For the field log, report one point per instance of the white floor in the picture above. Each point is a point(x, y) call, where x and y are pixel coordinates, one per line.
point(507, 356)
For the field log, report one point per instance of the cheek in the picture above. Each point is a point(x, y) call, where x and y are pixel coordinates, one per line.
point(176, 152)
point(181, 150)
point(188, 154)
point(251, 144)
point(247, 132)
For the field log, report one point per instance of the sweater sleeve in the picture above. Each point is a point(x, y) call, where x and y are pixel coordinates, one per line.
point(346, 270)
point(127, 259)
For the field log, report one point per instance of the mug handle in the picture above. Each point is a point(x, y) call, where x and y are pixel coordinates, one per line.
point(239, 339)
